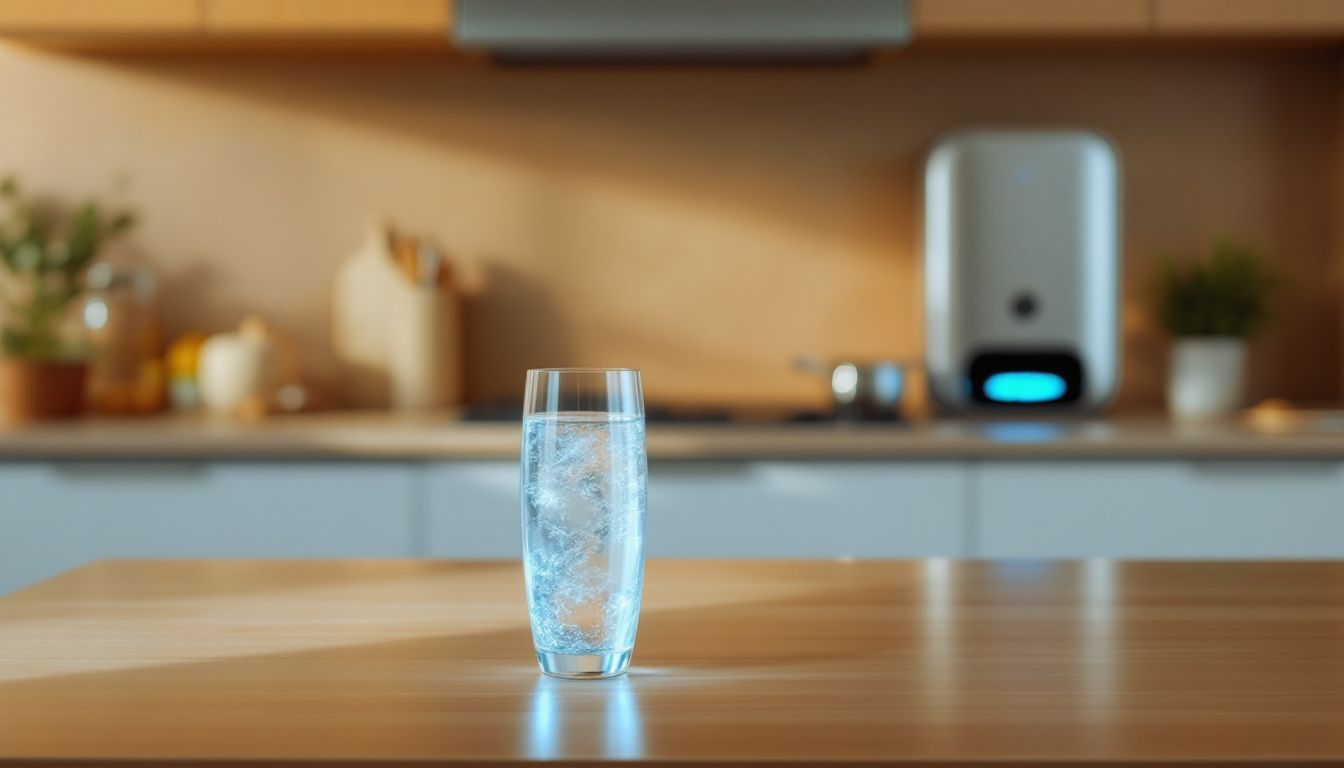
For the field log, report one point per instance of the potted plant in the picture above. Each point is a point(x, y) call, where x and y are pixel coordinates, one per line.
point(45, 249)
point(1211, 306)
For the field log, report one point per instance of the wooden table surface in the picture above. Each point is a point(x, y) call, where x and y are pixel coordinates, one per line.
point(916, 662)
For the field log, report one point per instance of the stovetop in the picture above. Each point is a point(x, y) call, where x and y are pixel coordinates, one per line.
point(682, 414)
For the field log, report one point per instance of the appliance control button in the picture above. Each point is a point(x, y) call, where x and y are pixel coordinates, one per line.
point(1024, 306)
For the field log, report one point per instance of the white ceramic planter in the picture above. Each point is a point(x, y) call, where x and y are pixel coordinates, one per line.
point(1208, 376)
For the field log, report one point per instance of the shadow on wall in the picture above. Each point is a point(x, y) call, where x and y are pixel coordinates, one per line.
point(504, 298)
point(708, 224)
point(539, 335)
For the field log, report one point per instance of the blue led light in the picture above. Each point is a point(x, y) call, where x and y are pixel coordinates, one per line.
point(1023, 432)
point(1024, 387)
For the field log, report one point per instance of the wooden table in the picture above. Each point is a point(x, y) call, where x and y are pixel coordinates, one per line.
point(928, 662)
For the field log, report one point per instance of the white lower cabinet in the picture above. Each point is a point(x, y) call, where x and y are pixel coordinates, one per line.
point(473, 510)
point(806, 509)
point(58, 516)
point(55, 516)
point(1159, 509)
point(732, 509)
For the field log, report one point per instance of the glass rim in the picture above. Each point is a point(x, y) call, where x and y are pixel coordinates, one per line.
point(582, 369)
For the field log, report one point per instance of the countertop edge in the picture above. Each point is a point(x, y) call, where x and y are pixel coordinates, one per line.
point(371, 437)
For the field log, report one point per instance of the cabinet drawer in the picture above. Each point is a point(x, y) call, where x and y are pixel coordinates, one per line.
point(747, 509)
point(473, 510)
point(806, 509)
point(347, 18)
point(99, 17)
point(1030, 18)
point(1234, 509)
point(1251, 18)
point(58, 516)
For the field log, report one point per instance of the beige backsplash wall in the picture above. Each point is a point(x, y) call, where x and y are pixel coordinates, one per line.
point(706, 225)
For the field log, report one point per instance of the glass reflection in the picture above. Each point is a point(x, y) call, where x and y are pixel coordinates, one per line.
point(543, 735)
point(1098, 622)
point(1023, 431)
point(939, 634)
point(556, 722)
point(624, 730)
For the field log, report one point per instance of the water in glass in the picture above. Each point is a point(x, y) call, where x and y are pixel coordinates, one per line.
point(583, 526)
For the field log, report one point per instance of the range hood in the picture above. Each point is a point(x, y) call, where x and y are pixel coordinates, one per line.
point(681, 30)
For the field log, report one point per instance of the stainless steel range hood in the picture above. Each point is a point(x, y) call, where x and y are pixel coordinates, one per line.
point(682, 30)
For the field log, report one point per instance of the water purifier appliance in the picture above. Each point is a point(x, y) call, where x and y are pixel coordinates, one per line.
point(1022, 270)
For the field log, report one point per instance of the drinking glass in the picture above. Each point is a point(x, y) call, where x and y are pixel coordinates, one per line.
point(583, 501)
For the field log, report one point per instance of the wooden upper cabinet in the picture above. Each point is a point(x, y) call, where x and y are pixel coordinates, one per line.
point(194, 22)
point(1250, 18)
point(336, 18)
point(20, 18)
point(1031, 18)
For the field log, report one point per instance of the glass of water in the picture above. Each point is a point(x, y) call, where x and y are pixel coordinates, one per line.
point(583, 498)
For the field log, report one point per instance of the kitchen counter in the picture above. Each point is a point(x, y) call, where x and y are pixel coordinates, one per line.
point(372, 435)
point(798, 662)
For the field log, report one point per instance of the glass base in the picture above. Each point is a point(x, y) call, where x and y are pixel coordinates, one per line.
point(592, 667)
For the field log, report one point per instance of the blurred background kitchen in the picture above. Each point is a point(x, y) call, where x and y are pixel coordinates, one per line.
point(327, 238)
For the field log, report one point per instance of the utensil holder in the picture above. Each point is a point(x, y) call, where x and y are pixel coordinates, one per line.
point(423, 349)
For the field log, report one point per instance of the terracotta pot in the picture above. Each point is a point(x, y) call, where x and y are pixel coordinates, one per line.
point(32, 390)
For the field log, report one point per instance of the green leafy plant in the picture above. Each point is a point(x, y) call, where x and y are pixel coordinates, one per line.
point(1226, 293)
point(46, 248)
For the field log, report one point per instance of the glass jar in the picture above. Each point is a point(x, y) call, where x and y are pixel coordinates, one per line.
point(124, 327)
